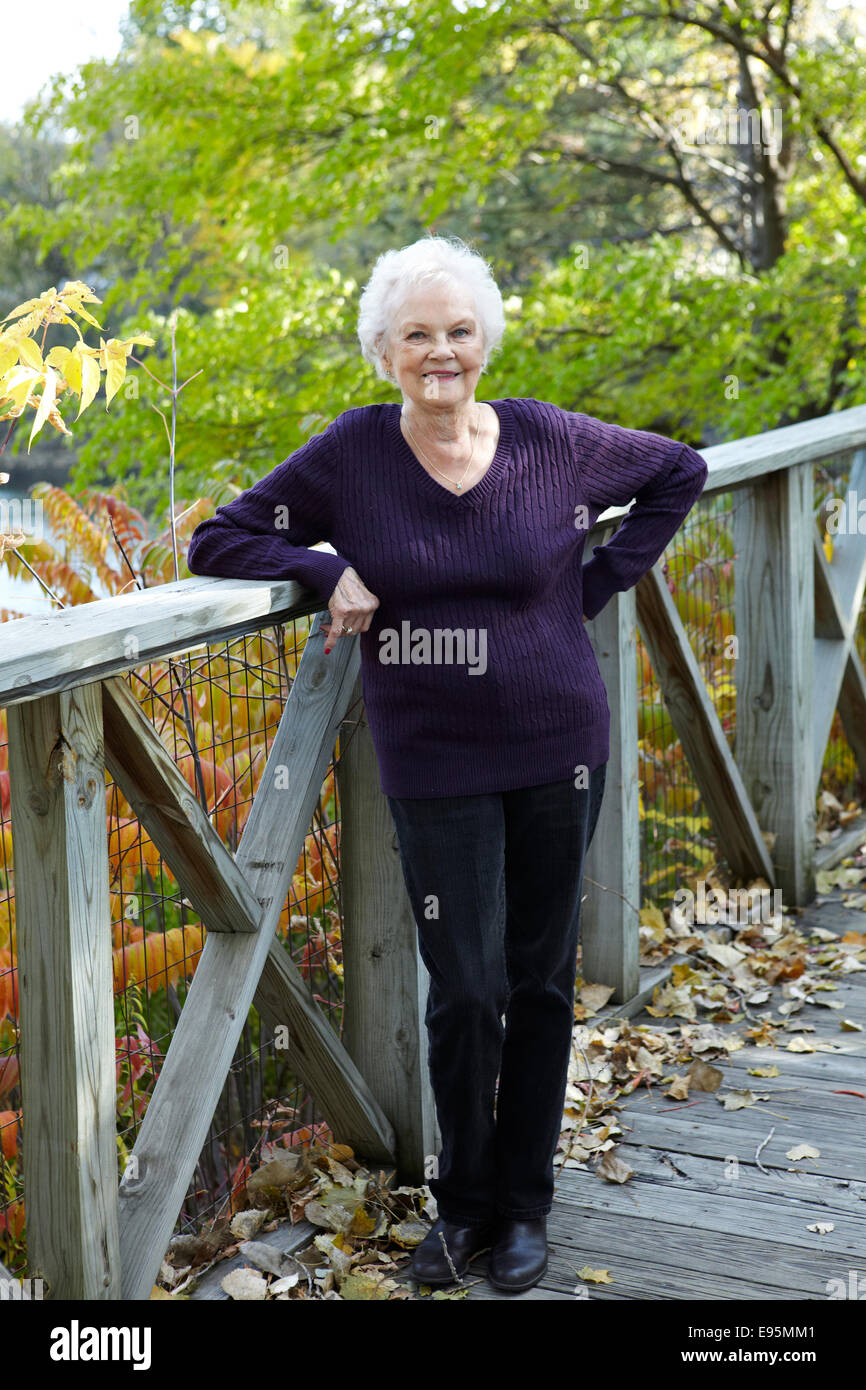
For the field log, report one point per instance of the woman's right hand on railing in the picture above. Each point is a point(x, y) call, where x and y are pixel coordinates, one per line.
point(351, 606)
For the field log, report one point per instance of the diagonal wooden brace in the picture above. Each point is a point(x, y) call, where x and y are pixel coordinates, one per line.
point(699, 729)
point(225, 984)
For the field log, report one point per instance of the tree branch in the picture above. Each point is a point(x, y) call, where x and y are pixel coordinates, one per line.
point(772, 58)
point(650, 175)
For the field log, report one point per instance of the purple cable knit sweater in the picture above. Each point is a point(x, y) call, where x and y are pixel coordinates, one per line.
point(478, 672)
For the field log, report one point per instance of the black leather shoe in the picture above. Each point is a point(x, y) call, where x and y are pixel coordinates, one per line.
point(519, 1255)
point(430, 1264)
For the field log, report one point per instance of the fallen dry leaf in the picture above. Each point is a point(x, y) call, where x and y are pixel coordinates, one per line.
point(595, 1276)
point(802, 1151)
point(738, 1100)
point(361, 1285)
point(246, 1224)
point(614, 1169)
point(331, 1218)
point(245, 1285)
point(262, 1255)
point(595, 996)
point(723, 954)
point(339, 1172)
point(703, 1077)
point(679, 1088)
point(279, 1286)
point(408, 1233)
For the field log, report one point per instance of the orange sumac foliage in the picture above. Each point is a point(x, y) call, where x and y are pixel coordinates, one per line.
point(129, 846)
point(8, 985)
point(239, 1179)
point(311, 888)
point(9, 1121)
point(218, 788)
point(158, 959)
point(12, 1220)
point(8, 1075)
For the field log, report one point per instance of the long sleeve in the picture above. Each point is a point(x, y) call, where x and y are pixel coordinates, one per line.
point(267, 531)
point(616, 464)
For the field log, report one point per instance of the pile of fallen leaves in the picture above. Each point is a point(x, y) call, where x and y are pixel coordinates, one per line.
point(725, 972)
point(367, 1230)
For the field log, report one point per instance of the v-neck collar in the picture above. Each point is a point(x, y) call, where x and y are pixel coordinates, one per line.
point(478, 491)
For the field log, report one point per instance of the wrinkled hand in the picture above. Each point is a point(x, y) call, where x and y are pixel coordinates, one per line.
point(350, 605)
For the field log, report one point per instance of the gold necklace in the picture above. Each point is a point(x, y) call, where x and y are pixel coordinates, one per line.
point(432, 465)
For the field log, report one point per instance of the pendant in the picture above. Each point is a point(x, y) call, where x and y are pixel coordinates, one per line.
point(458, 486)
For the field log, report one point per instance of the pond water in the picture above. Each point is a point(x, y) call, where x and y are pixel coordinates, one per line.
point(26, 596)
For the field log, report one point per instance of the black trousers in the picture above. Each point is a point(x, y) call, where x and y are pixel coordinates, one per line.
point(495, 884)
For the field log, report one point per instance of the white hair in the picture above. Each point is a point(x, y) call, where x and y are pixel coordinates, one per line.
point(432, 260)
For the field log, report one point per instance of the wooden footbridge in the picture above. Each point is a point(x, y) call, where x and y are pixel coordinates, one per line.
point(72, 717)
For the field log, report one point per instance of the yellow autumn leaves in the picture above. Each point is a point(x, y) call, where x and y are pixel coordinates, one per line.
point(23, 370)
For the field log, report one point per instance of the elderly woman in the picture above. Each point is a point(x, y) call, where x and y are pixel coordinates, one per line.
point(459, 527)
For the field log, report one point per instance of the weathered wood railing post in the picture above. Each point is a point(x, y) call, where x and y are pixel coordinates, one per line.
point(384, 978)
point(63, 924)
point(774, 609)
point(609, 919)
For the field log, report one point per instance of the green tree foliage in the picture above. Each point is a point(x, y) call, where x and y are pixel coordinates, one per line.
point(252, 160)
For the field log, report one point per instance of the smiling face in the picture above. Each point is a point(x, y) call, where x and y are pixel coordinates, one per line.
point(435, 348)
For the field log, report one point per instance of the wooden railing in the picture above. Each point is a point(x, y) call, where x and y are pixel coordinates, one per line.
point(70, 718)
